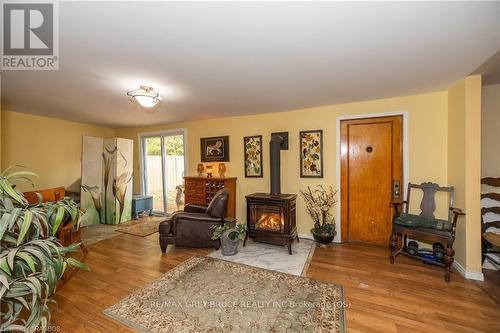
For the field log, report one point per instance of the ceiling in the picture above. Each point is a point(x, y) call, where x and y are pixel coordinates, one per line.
point(222, 59)
point(490, 70)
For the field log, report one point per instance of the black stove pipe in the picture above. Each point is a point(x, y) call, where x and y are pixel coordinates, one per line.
point(275, 151)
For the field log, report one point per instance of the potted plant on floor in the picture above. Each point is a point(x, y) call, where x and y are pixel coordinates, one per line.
point(319, 205)
point(32, 261)
point(230, 235)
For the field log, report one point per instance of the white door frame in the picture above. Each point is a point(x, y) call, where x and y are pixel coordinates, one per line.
point(144, 135)
point(406, 156)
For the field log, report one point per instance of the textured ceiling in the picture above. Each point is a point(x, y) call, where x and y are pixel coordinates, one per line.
point(220, 59)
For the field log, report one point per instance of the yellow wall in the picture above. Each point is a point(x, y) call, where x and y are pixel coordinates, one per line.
point(50, 147)
point(490, 131)
point(428, 117)
point(464, 156)
point(444, 139)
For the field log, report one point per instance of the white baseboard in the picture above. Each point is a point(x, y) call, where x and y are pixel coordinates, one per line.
point(310, 236)
point(478, 276)
point(306, 236)
point(489, 264)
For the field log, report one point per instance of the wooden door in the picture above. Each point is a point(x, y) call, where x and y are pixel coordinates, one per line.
point(371, 161)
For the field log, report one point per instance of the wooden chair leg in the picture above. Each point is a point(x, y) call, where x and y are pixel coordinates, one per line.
point(84, 249)
point(448, 260)
point(394, 247)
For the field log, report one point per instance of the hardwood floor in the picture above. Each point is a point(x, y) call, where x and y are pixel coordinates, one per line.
point(406, 297)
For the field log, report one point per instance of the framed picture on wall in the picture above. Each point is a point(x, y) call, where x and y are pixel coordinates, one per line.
point(252, 147)
point(311, 154)
point(215, 149)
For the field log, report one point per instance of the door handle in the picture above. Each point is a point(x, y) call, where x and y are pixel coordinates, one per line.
point(396, 189)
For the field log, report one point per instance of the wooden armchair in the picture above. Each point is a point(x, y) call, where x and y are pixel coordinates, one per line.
point(67, 234)
point(425, 227)
point(490, 240)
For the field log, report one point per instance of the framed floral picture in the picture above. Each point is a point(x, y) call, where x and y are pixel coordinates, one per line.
point(215, 149)
point(311, 154)
point(252, 146)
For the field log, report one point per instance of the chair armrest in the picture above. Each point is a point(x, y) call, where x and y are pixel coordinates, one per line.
point(457, 211)
point(398, 208)
point(456, 214)
point(191, 208)
point(188, 217)
point(398, 204)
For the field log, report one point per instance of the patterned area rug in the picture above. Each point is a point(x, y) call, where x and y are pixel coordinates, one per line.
point(144, 227)
point(273, 257)
point(209, 295)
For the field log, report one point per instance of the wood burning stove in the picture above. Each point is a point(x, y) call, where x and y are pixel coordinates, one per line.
point(271, 217)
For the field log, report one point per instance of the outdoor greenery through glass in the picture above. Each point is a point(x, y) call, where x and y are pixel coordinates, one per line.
point(173, 173)
point(174, 146)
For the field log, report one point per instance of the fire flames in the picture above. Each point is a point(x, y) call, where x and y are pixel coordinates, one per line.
point(270, 222)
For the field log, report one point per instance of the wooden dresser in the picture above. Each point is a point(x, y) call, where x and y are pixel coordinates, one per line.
point(200, 190)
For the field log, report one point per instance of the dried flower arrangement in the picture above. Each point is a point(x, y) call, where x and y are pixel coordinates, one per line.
point(319, 204)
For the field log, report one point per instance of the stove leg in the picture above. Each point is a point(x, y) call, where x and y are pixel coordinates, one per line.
point(298, 241)
point(290, 247)
point(246, 237)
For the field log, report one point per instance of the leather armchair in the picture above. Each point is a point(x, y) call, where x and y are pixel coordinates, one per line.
point(192, 227)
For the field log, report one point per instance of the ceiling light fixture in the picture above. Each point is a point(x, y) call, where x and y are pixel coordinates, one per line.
point(145, 96)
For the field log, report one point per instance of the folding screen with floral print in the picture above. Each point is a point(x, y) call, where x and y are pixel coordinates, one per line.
point(106, 194)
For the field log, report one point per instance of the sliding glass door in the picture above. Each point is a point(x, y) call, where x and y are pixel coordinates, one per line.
point(163, 167)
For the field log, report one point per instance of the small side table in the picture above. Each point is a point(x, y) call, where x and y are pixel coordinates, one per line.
point(141, 204)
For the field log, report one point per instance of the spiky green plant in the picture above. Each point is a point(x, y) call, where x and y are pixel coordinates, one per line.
point(32, 260)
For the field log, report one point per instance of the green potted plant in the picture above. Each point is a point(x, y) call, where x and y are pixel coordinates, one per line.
point(230, 235)
point(319, 205)
point(32, 261)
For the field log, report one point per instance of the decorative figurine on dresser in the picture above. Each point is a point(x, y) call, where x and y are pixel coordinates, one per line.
point(201, 190)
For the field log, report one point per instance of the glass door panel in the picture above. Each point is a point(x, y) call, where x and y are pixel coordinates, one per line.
point(164, 161)
point(174, 171)
point(154, 171)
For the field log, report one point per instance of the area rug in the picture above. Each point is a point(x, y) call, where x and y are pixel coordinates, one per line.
point(273, 257)
point(144, 227)
point(204, 294)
